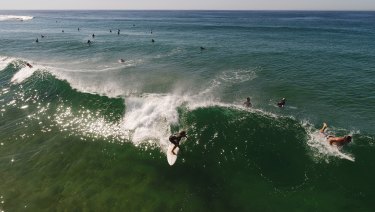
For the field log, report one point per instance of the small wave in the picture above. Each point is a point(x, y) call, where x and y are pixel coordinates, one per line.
point(238, 76)
point(15, 18)
point(230, 77)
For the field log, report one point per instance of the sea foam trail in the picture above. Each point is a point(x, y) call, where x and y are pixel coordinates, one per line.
point(15, 18)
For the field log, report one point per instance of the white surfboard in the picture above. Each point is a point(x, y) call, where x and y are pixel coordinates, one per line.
point(170, 156)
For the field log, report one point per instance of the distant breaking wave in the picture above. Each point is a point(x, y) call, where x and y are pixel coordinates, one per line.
point(15, 17)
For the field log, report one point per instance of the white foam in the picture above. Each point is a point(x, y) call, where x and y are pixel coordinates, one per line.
point(15, 17)
point(23, 74)
point(238, 76)
point(150, 117)
point(4, 62)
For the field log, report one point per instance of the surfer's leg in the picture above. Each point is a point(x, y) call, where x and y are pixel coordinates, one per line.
point(174, 149)
point(323, 128)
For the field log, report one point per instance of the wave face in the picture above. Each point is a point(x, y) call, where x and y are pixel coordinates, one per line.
point(81, 130)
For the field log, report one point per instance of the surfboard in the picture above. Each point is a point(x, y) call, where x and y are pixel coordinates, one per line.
point(170, 156)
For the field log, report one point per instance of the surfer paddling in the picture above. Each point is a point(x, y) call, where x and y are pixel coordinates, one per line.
point(338, 141)
point(175, 139)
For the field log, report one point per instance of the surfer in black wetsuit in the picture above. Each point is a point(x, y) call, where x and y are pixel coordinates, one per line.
point(29, 65)
point(281, 103)
point(93, 35)
point(247, 103)
point(89, 42)
point(175, 139)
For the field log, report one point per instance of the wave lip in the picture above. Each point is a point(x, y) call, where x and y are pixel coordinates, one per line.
point(15, 18)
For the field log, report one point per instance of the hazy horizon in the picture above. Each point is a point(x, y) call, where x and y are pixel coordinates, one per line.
point(247, 5)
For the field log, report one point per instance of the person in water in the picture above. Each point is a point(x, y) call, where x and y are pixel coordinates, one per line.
point(175, 139)
point(29, 65)
point(93, 35)
point(281, 103)
point(338, 141)
point(152, 40)
point(89, 42)
point(247, 103)
point(37, 40)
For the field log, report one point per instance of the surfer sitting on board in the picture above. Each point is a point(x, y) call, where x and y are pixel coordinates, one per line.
point(247, 103)
point(175, 139)
point(281, 103)
point(338, 141)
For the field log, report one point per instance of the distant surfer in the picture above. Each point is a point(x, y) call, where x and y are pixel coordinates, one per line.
point(42, 36)
point(118, 32)
point(89, 42)
point(338, 141)
point(202, 48)
point(121, 60)
point(247, 103)
point(110, 30)
point(152, 40)
point(93, 35)
point(29, 65)
point(175, 139)
point(281, 103)
point(62, 31)
point(37, 40)
point(78, 28)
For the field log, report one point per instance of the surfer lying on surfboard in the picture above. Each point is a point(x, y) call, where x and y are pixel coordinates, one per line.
point(338, 141)
point(175, 139)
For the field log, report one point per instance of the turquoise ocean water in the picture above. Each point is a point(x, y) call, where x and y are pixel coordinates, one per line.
point(81, 131)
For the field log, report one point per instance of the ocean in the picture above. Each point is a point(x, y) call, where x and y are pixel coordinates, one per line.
point(82, 131)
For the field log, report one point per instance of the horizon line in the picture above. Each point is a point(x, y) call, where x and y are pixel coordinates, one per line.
point(234, 10)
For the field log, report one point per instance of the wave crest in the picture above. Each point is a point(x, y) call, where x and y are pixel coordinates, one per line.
point(15, 18)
